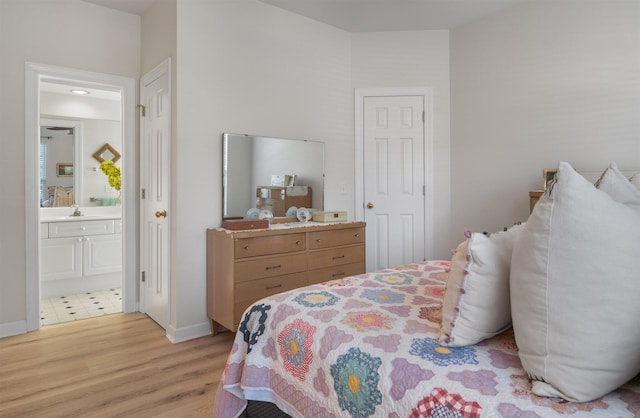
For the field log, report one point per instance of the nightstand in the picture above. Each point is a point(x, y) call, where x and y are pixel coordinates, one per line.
point(534, 195)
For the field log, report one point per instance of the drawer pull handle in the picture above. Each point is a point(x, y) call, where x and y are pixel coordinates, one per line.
point(338, 274)
point(338, 257)
point(318, 240)
point(246, 247)
point(273, 267)
point(356, 235)
point(298, 242)
point(272, 287)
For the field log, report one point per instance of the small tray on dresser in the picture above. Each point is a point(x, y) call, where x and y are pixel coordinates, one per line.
point(242, 224)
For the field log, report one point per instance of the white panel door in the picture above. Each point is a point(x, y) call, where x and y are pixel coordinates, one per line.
point(394, 180)
point(155, 148)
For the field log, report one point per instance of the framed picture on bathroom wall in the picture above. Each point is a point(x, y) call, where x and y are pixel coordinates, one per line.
point(64, 169)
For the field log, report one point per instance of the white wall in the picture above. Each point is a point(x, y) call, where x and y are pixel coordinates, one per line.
point(248, 67)
point(413, 58)
point(96, 133)
point(85, 37)
point(539, 83)
point(159, 42)
point(100, 120)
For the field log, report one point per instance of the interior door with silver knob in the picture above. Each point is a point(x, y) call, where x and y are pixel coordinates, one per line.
point(155, 222)
point(394, 180)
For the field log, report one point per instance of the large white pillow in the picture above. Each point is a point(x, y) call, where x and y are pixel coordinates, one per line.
point(575, 291)
point(476, 302)
point(616, 185)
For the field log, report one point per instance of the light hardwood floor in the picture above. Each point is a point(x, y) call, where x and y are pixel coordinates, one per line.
point(118, 365)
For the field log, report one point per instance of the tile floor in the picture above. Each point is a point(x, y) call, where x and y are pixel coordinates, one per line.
point(80, 306)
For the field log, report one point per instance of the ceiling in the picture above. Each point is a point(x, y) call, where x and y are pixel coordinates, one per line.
point(367, 15)
point(65, 87)
point(136, 7)
point(393, 15)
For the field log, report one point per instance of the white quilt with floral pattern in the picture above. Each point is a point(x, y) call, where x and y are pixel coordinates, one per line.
point(366, 346)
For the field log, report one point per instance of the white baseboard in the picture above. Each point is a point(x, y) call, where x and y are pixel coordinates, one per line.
point(178, 335)
point(13, 328)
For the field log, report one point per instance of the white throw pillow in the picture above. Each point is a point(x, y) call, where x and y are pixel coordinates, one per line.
point(575, 291)
point(476, 303)
point(616, 185)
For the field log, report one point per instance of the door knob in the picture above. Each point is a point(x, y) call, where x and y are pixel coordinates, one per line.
point(370, 205)
point(161, 214)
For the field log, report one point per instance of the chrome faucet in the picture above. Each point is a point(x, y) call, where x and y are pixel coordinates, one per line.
point(76, 211)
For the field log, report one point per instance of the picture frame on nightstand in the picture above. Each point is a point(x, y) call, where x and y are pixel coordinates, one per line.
point(548, 175)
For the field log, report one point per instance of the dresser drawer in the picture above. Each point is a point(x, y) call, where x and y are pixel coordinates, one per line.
point(269, 267)
point(336, 257)
point(332, 238)
point(258, 289)
point(248, 293)
point(335, 272)
point(245, 266)
point(272, 244)
point(80, 228)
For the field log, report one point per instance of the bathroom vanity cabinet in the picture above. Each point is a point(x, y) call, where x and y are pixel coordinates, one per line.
point(79, 249)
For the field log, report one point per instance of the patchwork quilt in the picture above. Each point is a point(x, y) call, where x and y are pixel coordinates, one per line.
point(366, 346)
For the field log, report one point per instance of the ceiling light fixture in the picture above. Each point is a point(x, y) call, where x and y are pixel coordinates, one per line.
point(80, 92)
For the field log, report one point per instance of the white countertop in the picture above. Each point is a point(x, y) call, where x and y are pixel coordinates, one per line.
point(69, 218)
point(88, 214)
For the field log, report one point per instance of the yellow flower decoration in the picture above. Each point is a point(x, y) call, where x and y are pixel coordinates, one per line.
point(113, 173)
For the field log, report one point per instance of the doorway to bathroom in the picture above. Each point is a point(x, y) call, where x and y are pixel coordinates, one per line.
point(80, 231)
point(81, 203)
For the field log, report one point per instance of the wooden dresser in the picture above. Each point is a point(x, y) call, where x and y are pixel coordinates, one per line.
point(245, 266)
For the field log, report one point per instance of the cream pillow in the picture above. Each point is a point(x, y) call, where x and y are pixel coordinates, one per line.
point(575, 291)
point(616, 185)
point(476, 301)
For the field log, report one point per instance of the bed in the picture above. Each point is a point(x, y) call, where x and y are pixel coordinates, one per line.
point(438, 338)
point(367, 346)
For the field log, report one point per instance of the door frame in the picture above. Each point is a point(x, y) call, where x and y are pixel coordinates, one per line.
point(33, 73)
point(427, 96)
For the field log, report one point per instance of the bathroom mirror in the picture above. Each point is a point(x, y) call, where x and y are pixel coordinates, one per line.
point(75, 131)
point(250, 162)
point(58, 148)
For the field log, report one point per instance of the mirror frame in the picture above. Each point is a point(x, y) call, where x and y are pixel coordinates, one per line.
point(228, 136)
point(106, 147)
